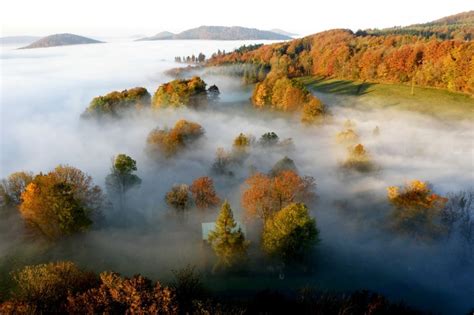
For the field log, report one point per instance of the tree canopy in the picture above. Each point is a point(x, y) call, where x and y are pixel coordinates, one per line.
point(290, 233)
point(417, 210)
point(115, 103)
point(178, 92)
point(168, 142)
point(60, 203)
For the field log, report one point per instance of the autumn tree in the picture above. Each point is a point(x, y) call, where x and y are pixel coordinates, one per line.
point(417, 210)
point(290, 233)
point(312, 111)
point(358, 159)
point(168, 142)
point(241, 142)
point(12, 187)
point(347, 136)
point(178, 198)
point(116, 103)
point(228, 240)
point(118, 295)
point(60, 203)
point(204, 194)
point(177, 93)
point(45, 287)
point(122, 178)
point(265, 195)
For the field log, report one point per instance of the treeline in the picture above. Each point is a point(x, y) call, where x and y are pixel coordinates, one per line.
point(64, 288)
point(191, 92)
point(459, 26)
point(191, 59)
point(390, 59)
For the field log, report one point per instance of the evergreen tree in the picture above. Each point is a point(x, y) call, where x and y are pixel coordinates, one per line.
point(227, 240)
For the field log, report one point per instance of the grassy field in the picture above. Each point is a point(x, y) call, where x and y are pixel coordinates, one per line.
point(441, 103)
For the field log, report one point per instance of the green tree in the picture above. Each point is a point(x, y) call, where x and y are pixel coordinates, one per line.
point(228, 240)
point(121, 179)
point(290, 233)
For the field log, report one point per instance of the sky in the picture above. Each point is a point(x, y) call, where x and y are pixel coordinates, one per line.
point(146, 17)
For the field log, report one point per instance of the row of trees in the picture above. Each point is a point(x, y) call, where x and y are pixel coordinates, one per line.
point(175, 93)
point(391, 58)
point(191, 59)
point(200, 193)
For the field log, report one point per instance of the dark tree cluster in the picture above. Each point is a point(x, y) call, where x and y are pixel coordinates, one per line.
point(64, 288)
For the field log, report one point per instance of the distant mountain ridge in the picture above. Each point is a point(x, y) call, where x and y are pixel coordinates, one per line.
point(64, 39)
point(220, 33)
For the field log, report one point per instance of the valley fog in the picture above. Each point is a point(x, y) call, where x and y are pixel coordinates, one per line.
point(44, 92)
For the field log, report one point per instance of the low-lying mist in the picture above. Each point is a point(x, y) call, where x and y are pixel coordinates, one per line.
point(45, 91)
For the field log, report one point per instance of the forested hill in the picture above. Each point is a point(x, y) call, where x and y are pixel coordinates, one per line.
point(458, 26)
point(61, 40)
point(342, 54)
point(223, 33)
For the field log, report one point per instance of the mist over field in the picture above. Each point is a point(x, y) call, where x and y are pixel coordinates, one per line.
point(44, 92)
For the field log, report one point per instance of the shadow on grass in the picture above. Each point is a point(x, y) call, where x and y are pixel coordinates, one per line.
point(342, 87)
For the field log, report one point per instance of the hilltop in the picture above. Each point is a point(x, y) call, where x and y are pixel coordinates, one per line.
point(220, 33)
point(61, 40)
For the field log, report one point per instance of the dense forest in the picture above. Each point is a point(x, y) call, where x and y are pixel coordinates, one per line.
point(342, 54)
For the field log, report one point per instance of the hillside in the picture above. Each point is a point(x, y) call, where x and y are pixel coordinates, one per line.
point(342, 54)
point(61, 40)
point(159, 36)
point(220, 33)
point(458, 26)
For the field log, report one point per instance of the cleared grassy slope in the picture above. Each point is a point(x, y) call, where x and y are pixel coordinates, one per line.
point(437, 102)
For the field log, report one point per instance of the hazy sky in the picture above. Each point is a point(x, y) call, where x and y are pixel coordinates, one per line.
point(120, 17)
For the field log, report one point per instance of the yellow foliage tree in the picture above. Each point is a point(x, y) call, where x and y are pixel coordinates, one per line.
point(417, 210)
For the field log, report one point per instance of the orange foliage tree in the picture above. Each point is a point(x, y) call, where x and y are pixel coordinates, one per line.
point(203, 192)
point(265, 195)
point(61, 202)
point(169, 142)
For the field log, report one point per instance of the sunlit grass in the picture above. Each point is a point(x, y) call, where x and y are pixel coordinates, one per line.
point(438, 102)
